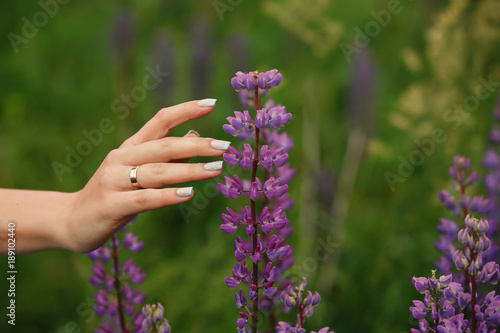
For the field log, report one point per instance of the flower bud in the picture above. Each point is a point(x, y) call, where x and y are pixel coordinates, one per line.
point(316, 299)
point(461, 161)
point(460, 260)
point(483, 226)
point(471, 222)
point(252, 294)
point(308, 312)
point(434, 312)
point(309, 298)
point(463, 300)
point(473, 178)
point(464, 235)
point(240, 299)
point(432, 282)
point(490, 273)
point(453, 171)
point(483, 243)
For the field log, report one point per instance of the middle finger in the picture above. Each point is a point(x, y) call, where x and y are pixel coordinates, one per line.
point(172, 148)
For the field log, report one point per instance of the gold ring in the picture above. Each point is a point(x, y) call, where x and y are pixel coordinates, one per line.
point(133, 178)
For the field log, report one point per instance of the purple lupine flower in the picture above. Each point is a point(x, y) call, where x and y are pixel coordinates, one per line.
point(292, 297)
point(268, 228)
point(103, 253)
point(463, 178)
point(421, 284)
point(131, 243)
point(273, 189)
point(490, 273)
point(133, 271)
point(269, 79)
point(324, 330)
point(241, 125)
point(491, 163)
point(232, 189)
point(443, 299)
point(152, 319)
point(118, 300)
point(454, 297)
point(419, 311)
point(239, 82)
point(99, 274)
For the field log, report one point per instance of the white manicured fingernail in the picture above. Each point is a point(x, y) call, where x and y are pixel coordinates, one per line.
point(219, 144)
point(185, 191)
point(207, 102)
point(213, 166)
point(193, 132)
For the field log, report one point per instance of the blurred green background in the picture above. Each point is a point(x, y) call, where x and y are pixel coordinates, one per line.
point(364, 80)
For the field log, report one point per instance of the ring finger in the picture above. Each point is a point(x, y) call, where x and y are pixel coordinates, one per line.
point(156, 175)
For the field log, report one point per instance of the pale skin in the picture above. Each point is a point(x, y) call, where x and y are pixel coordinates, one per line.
point(84, 220)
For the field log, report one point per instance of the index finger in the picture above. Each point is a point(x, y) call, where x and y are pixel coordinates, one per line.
point(168, 118)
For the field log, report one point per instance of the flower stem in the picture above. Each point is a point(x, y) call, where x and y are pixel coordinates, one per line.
point(436, 321)
point(473, 299)
point(255, 275)
point(469, 279)
point(116, 282)
point(301, 316)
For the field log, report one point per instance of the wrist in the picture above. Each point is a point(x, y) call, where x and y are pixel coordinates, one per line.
point(62, 231)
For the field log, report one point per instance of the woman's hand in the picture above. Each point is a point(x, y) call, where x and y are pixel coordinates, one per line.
point(110, 200)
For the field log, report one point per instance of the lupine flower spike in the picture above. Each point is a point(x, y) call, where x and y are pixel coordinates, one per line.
point(452, 302)
point(293, 297)
point(259, 255)
point(153, 319)
point(261, 252)
point(116, 299)
point(491, 163)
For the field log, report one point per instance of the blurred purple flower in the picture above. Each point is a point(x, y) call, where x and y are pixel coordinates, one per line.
point(118, 299)
point(124, 30)
point(164, 57)
point(201, 54)
point(363, 84)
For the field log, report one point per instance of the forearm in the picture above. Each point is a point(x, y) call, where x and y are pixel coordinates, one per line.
point(40, 217)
